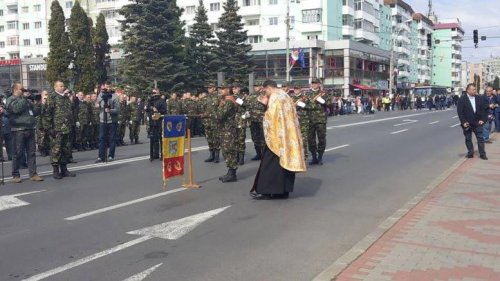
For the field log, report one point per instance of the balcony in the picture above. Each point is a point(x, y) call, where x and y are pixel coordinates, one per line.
point(363, 35)
point(403, 38)
point(347, 10)
point(403, 62)
point(403, 73)
point(348, 30)
point(253, 30)
point(403, 50)
point(250, 10)
point(456, 79)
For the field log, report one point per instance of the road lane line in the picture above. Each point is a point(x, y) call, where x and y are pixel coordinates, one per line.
point(337, 147)
point(455, 117)
point(435, 122)
point(88, 259)
point(383, 119)
point(124, 204)
point(400, 131)
point(142, 275)
point(453, 126)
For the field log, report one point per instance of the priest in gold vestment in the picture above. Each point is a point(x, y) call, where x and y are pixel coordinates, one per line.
point(283, 155)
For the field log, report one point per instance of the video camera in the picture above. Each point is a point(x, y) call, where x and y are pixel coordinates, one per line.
point(106, 94)
point(34, 94)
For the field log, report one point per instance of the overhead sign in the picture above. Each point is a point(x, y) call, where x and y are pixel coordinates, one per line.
point(10, 62)
point(37, 67)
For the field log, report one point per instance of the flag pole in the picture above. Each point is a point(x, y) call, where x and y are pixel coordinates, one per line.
point(163, 156)
point(190, 163)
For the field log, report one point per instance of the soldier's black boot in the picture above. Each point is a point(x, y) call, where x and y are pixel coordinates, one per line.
point(258, 156)
point(132, 141)
point(216, 156)
point(65, 172)
point(56, 174)
point(314, 160)
point(230, 176)
point(137, 141)
point(320, 158)
point(241, 158)
point(211, 158)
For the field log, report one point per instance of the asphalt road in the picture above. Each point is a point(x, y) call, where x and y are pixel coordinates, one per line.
point(373, 165)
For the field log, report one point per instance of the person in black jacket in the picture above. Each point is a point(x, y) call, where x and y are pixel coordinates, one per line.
point(156, 105)
point(472, 112)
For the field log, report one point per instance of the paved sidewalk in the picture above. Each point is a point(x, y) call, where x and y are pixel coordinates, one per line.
point(452, 234)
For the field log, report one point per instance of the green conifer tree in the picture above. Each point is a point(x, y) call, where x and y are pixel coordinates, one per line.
point(154, 44)
point(83, 52)
point(102, 48)
point(59, 56)
point(233, 48)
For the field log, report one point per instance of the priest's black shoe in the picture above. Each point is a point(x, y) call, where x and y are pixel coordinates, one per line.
point(483, 157)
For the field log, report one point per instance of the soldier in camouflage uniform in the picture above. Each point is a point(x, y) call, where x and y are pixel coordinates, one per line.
point(42, 135)
point(256, 110)
point(302, 105)
point(318, 101)
point(241, 122)
point(212, 123)
point(83, 122)
point(57, 121)
point(134, 120)
point(226, 114)
point(174, 105)
point(123, 118)
point(94, 127)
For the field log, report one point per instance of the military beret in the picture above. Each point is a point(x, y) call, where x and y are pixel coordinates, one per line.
point(315, 81)
point(225, 84)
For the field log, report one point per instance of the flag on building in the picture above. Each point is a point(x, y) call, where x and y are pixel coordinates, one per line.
point(174, 130)
point(297, 55)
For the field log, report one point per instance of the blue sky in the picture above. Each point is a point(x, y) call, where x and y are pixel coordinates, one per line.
point(483, 15)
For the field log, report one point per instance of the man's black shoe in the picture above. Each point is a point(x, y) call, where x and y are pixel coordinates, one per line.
point(483, 157)
point(99, 160)
point(261, 197)
point(488, 141)
point(469, 155)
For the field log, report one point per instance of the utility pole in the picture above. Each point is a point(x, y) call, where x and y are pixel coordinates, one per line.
point(287, 40)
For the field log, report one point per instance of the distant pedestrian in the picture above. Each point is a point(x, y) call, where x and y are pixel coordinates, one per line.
point(472, 113)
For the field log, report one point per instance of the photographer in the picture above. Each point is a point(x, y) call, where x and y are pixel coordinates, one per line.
point(109, 108)
point(156, 105)
point(22, 110)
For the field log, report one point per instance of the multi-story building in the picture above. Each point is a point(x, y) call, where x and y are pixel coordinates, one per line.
point(447, 55)
point(475, 70)
point(491, 70)
point(423, 57)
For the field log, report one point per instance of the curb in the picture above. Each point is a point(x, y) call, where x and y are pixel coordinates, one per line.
point(331, 272)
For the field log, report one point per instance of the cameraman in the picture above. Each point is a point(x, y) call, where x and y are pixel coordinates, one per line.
point(109, 108)
point(156, 105)
point(22, 111)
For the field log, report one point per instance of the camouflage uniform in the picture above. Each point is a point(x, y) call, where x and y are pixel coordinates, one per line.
point(190, 108)
point(317, 125)
point(303, 114)
point(58, 119)
point(42, 135)
point(174, 107)
point(83, 118)
point(123, 118)
point(212, 126)
point(226, 114)
point(256, 110)
point(134, 122)
point(94, 127)
point(241, 124)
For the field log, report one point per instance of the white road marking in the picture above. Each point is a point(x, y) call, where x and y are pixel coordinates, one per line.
point(400, 131)
point(381, 120)
point(124, 204)
point(407, 121)
point(174, 230)
point(141, 276)
point(435, 122)
point(453, 126)
point(455, 117)
point(337, 147)
point(11, 201)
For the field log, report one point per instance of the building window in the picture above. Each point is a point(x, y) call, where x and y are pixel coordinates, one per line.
point(273, 21)
point(253, 22)
point(37, 8)
point(110, 14)
point(38, 24)
point(14, 56)
point(26, 25)
point(39, 56)
point(38, 41)
point(103, 1)
point(26, 42)
point(273, 2)
point(190, 10)
point(312, 37)
point(214, 7)
point(1, 13)
point(312, 15)
point(12, 24)
point(358, 23)
point(69, 4)
point(13, 41)
point(348, 20)
point(358, 4)
point(25, 10)
point(2, 28)
point(251, 2)
point(2, 45)
point(214, 26)
point(254, 39)
point(275, 39)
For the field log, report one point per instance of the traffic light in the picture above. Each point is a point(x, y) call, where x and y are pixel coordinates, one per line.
point(429, 40)
point(476, 37)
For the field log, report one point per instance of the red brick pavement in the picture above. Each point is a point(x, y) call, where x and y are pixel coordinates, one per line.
point(452, 234)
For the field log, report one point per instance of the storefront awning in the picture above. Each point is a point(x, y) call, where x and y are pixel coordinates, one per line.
point(362, 87)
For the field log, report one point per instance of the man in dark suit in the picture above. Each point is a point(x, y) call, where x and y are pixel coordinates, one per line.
point(472, 112)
